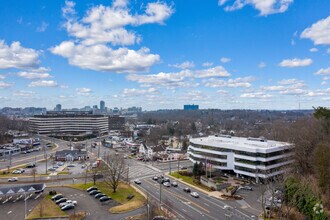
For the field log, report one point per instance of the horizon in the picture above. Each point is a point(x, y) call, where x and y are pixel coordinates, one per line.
point(162, 54)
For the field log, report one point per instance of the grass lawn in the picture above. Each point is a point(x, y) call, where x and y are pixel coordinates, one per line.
point(190, 180)
point(64, 173)
point(119, 196)
point(46, 209)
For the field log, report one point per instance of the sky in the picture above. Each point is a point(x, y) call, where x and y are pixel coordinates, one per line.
point(226, 54)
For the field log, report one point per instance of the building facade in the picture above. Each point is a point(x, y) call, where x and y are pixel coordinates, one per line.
point(190, 107)
point(250, 157)
point(72, 122)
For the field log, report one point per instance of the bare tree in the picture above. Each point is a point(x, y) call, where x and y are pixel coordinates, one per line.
point(114, 169)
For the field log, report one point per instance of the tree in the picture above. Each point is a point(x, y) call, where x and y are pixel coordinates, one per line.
point(322, 167)
point(114, 169)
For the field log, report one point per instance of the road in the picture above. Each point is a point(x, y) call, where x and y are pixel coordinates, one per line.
point(184, 206)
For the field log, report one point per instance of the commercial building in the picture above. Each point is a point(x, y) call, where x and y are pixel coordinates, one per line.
point(191, 107)
point(102, 106)
point(116, 122)
point(69, 122)
point(58, 107)
point(71, 155)
point(250, 157)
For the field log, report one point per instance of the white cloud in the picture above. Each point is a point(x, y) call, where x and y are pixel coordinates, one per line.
point(33, 75)
point(313, 50)
point(23, 93)
point(225, 59)
point(262, 65)
point(273, 88)
point(218, 71)
point(207, 64)
point(43, 83)
point(2, 77)
point(319, 32)
point(162, 79)
point(184, 65)
point(138, 92)
point(84, 91)
point(244, 82)
point(324, 83)
point(16, 56)
point(323, 71)
point(256, 95)
point(265, 7)
point(5, 85)
point(104, 25)
point(289, 81)
point(296, 62)
point(43, 26)
point(328, 50)
point(103, 58)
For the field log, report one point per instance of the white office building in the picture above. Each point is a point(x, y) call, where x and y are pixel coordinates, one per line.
point(72, 122)
point(251, 157)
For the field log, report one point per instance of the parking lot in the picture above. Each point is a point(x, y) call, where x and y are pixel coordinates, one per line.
point(15, 210)
point(94, 208)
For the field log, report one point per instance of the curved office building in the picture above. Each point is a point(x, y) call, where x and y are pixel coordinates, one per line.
point(251, 157)
point(72, 122)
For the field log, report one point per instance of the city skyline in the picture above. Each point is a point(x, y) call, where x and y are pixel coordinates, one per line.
point(225, 54)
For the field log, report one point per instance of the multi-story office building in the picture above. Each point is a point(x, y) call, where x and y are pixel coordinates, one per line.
point(250, 157)
point(116, 122)
point(102, 106)
point(58, 107)
point(190, 107)
point(69, 122)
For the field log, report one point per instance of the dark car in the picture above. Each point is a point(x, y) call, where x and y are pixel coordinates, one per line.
point(105, 198)
point(67, 207)
point(58, 196)
point(187, 190)
point(155, 178)
point(61, 200)
point(99, 195)
point(91, 188)
point(31, 165)
point(94, 192)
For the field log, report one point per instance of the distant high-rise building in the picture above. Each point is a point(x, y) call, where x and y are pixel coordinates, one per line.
point(95, 107)
point(102, 106)
point(58, 107)
point(191, 107)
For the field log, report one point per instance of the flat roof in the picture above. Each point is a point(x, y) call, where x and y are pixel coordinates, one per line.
point(241, 143)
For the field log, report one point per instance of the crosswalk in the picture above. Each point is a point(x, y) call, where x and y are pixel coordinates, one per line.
point(142, 171)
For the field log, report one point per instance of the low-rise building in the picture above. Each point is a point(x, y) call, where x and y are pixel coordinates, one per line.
point(251, 157)
point(70, 155)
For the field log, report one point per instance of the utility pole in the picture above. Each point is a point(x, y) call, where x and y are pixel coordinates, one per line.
point(46, 164)
point(25, 208)
point(178, 163)
point(160, 194)
point(169, 163)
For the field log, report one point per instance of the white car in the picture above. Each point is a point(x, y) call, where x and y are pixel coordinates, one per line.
point(13, 179)
point(167, 184)
point(68, 202)
point(194, 194)
point(137, 181)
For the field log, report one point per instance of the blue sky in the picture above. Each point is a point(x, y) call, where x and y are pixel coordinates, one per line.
point(256, 54)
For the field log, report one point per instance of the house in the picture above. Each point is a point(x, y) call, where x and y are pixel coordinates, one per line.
point(71, 155)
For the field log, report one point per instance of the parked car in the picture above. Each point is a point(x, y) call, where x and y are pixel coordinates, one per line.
point(99, 195)
point(187, 190)
point(23, 152)
point(167, 184)
point(60, 163)
point(52, 169)
point(94, 192)
point(60, 200)
point(56, 197)
point(55, 166)
point(105, 198)
point(194, 194)
point(71, 165)
point(16, 172)
point(67, 207)
point(13, 179)
point(137, 181)
point(91, 188)
point(175, 184)
point(68, 202)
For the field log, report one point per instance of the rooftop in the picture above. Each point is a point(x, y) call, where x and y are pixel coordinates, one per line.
point(242, 143)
